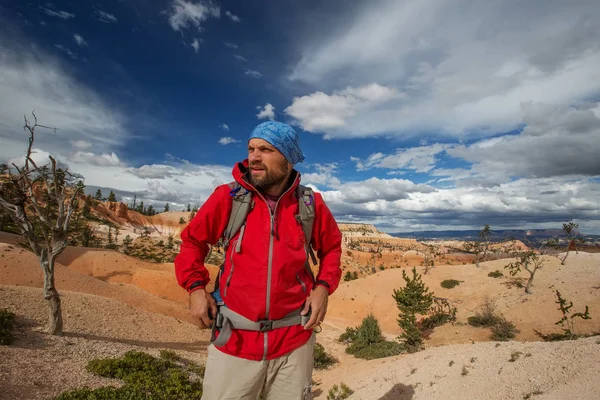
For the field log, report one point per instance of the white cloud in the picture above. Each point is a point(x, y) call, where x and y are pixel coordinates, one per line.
point(253, 73)
point(230, 45)
point(228, 140)
point(458, 79)
point(81, 144)
point(67, 51)
point(196, 45)
point(80, 40)
point(233, 17)
point(322, 112)
point(241, 58)
point(59, 14)
point(35, 81)
point(224, 126)
point(105, 17)
point(187, 14)
point(418, 159)
point(267, 112)
point(101, 160)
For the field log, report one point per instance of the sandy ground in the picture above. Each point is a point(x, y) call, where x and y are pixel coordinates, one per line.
point(113, 303)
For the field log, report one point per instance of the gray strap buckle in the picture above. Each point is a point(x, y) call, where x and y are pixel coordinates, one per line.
point(266, 325)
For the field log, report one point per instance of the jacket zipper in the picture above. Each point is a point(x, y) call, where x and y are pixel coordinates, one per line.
point(301, 283)
point(272, 214)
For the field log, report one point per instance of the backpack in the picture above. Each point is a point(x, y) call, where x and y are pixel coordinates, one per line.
point(243, 203)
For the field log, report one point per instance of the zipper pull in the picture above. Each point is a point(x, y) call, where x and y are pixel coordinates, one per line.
point(272, 225)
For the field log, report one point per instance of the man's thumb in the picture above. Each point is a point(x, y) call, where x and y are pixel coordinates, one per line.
point(306, 307)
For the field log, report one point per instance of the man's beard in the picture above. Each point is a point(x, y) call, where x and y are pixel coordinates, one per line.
point(270, 178)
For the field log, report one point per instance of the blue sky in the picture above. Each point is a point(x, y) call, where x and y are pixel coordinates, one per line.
point(413, 115)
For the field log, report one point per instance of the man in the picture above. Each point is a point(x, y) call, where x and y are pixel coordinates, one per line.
point(264, 276)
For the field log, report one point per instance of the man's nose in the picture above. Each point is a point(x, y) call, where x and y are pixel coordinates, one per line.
point(254, 156)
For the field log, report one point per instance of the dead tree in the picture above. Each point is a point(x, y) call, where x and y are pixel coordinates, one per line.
point(41, 200)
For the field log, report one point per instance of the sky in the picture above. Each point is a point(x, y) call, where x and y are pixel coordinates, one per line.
point(413, 115)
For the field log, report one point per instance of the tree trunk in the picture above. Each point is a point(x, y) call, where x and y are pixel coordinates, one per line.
point(51, 295)
point(562, 262)
point(530, 281)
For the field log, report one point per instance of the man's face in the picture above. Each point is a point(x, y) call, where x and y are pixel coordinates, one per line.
point(268, 167)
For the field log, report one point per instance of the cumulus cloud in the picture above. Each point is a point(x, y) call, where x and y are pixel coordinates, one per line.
point(253, 74)
point(233, 17)
point(319, 112)
point(228, 140)
point(101, 160)
point(556, 141)
point(81, 144)
point(267, 112)
point(187, 14)
point(458, 79)
point(105, 17)
point(80, 40)
point(58, 14)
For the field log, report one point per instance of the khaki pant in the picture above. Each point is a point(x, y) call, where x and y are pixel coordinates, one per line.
point(288, 377)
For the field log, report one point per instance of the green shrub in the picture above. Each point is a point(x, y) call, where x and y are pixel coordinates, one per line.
point(496, 274)
point(350, 276)
point(449, 283)
point(145, 377)
point(339, 392)
point(367, 341)
point(321, 358)
point(7, 324)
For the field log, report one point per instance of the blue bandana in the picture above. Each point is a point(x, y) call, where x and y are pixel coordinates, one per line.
point(283, 137)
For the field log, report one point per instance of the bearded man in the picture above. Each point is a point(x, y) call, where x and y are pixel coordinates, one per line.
point(271, 302)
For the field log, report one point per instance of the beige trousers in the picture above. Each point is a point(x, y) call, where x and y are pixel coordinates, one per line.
point(288, 377)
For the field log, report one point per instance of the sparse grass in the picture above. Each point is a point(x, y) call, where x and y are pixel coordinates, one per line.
point(496, 274)
point(449, 283)
point(7, 324)
point(339, 392)
point(322, 359)
point(515, 356)
point(504, 330)
point(487, 317)
point(144, 377)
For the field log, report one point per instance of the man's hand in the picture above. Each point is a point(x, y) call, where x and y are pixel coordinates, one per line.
point(200, 303)
point(317, 302)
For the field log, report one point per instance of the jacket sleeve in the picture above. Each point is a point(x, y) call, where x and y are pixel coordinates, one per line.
point(327, 242)
point(205, 229)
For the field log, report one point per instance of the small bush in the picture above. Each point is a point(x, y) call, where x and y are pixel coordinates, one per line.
point(7, 324)
point(322, 360)
point(515, 356)
point(339, 392)
point(487, 317)
point(504, 330)
point(449, 283)
point(169, 355)
point(145, 377)
point(350, 276)
point(496, 274)
point(367, 341)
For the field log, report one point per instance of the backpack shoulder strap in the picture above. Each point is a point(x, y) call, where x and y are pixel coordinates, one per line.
point(240, 207)
point(306, 217)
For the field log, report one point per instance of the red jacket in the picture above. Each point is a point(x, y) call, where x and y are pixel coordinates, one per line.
point(247, 290)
